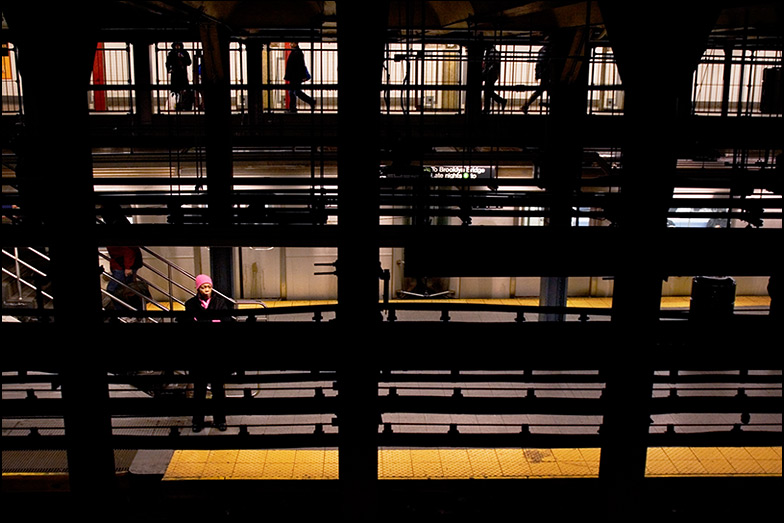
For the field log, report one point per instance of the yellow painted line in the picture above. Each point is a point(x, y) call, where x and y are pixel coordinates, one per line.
point(459, 463)
point(713, 461)
point(667, 302)
point(515, 463)
point(32, 474)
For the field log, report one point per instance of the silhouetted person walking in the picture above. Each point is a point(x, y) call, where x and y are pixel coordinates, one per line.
point(491, 72)
point(296, 74)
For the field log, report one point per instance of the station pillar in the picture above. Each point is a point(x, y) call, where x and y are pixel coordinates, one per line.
point(219, 156)
point(361, 47)
point(56, 184)
point(560, 166)
point(653, 108)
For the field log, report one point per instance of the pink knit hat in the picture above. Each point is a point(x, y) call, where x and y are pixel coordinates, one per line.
point(201, 279)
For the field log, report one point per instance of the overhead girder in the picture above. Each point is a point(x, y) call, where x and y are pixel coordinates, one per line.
point(245, 18)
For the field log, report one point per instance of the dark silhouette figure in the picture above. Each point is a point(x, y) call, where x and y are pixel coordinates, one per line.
point(542, 73)
point(296, 74)
point(177, 62)
point(491, 72)
point(124, 260)
point(206, 300)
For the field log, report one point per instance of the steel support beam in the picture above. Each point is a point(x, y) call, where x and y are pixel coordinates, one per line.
point(219, 159)
point(59, 197)
point(646, 192)
point(562, 154)
point(143, 79)
point(255, 81)
point(360, 53)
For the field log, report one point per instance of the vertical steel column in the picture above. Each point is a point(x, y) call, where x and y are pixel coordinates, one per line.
point(652, 113)
point(475, 55)
point(217, 107)
point(58, 181)
point(143, 81)
point(361, 34)
point(255, 53)
point(562, 154)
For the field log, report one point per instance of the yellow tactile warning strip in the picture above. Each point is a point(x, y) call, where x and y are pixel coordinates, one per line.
point(253, 464)
point(714, 461)
point(487, 463)
point(468, 463)
point(666, 302)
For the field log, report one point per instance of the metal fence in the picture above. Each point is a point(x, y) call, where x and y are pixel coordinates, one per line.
point(417, 77)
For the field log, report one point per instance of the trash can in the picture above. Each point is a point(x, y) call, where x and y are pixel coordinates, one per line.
point(712, 297)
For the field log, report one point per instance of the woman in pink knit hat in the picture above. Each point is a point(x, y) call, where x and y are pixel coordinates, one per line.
point(206, 300)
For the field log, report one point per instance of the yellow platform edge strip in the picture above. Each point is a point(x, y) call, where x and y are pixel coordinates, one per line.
point(512, 463)
point(600, 302)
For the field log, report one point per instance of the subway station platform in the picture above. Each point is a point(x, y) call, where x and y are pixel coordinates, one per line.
point(404, 464)
point(452, 484)
point(456, 463)
point(682, 484)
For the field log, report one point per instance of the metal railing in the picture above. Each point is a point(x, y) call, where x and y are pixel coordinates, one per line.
point(169, 294)
point(418, 408)
point(24, 271)
point(427, 77)
point(18, 275)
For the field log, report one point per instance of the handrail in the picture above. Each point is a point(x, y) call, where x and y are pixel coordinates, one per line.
point(169, 295)
point(144, 298)
point(18, 275)
point(26, 283)
point(745, 431)
point(182, 271)
point(18, 260)
point(21, 282)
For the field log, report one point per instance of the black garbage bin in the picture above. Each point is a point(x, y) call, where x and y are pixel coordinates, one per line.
point(712, 297)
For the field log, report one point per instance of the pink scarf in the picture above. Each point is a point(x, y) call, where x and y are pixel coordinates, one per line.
point(205, 304)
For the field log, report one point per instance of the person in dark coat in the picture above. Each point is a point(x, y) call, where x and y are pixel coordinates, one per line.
point(124, 260)
point(542, 72)
point(491, 72)
point(206, 300)
point(296, 74)
point(177, 62)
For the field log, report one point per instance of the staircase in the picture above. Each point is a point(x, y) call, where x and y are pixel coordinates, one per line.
point(27, 286)
point(26, 282)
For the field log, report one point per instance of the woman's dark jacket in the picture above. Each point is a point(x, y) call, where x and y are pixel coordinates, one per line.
point(217, 303)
